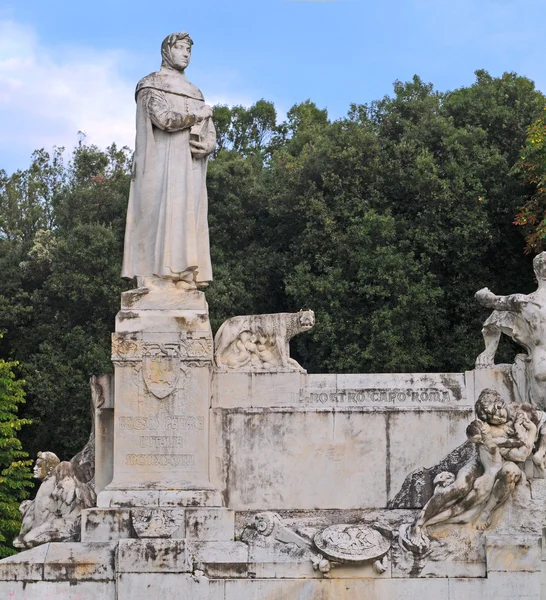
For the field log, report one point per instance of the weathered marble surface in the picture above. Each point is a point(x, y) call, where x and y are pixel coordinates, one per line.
point(102, 391)
point(163, 362)
point(502, 565)
point(367, 390)
point(288, 440)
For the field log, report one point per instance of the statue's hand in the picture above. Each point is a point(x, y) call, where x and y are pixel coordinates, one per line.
point(199, 149)
point(205, 112)
point(484, 295)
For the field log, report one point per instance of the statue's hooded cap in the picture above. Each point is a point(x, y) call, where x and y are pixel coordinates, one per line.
point(168, 79)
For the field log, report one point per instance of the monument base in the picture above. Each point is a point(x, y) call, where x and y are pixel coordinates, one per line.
point(305, 447)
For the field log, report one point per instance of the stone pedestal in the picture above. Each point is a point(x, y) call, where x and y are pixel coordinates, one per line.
point(162, 353)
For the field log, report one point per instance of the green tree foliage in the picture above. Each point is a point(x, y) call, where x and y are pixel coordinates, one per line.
point(15, 473)
point(59, 300)
point(247, 131)
point(532, 168)
point(384, 222)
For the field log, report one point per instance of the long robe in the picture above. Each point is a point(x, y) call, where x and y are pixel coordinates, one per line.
point(167, 231)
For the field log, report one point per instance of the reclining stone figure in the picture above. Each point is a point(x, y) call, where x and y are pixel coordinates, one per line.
point(54, 515)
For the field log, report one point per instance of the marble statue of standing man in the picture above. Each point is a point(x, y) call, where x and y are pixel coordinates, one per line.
point(166, 237)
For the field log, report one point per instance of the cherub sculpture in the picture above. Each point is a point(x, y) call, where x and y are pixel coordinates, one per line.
point(54, 515)
point(505, 436)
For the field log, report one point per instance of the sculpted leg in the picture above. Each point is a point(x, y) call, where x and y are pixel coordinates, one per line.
point(539, 457)
point(507, 479)
point(491, 336)
point(437, 509)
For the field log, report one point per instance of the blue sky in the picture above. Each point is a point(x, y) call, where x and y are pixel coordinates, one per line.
point(69, 65)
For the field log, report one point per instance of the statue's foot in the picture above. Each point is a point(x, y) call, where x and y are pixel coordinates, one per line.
point(201, 285)
point(539, 460)
point(483, 526)
point(413, 539)
point(483, 523)
point(186, 285)
point(540, 468)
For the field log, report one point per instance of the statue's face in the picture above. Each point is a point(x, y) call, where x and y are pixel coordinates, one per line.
point(39, 471)
point(539, 265)
point(181, 54)
point(444, 479)
point(495, 412)
point(307, 319)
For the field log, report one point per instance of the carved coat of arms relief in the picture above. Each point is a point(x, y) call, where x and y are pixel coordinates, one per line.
point(161, 367)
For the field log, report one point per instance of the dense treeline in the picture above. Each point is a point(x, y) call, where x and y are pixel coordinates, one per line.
point(384, 222)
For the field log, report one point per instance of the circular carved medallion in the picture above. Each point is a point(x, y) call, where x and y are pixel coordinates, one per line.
point(351, 543)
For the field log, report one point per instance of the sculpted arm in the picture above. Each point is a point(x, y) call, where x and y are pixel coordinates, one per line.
point(512, 302)
point(163, 116)
point(205, 147)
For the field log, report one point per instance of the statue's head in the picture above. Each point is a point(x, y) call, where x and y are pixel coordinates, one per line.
point(491, 408)
point(45, 463)
point(443, 479)
point(539, 265)
point(176, 51)
point(306, 319)
point(476, 431)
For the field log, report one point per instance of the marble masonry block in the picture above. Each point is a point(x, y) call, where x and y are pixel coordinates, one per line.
point(202, 497)
point(497, 586)
point(338, 589)
point(159, 523)
point(165, 586)
point(58, 590)
point(409, 441)
point(364, 571)
point(276, 389)
point(403, 390)
point(102, 390)
point(170, 298)
point(230, 390)
point(457, 551)
point(161, 443)
point(210, 524)
point(242, 390)
point(280, 561)
point(25, 566)
point(497, 379)
point(272, 459)
point(166, 498)
point(319, 390)
point(105, 525)
point(222, 560)
point(513, 553)
point(152, 556)
point(127, 498)
point(71, 561)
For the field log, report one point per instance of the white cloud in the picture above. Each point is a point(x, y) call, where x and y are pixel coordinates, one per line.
point(48, 94)
point(47, 97)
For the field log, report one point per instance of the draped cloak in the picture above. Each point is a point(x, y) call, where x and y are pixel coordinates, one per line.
point(167, 231)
